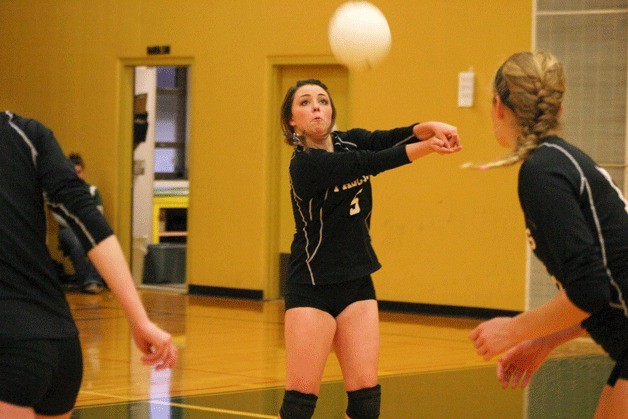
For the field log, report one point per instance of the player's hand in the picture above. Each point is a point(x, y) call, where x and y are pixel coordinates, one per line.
point(493, 337)
point(156, 344)
point(519, 364)
point(440, 146)
point(443, 138)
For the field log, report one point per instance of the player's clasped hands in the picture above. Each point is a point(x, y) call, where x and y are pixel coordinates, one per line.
point(443, 138)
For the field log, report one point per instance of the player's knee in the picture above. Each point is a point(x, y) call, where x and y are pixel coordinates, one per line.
point(297, 405)
point(364, 403)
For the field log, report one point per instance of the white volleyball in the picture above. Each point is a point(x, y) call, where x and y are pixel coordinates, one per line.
point(359, 35)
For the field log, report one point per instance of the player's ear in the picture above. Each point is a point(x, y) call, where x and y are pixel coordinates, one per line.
point(499, 106)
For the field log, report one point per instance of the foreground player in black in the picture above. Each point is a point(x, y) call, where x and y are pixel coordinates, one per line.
point(330, 299)
point(577, 225)
point(40, 354)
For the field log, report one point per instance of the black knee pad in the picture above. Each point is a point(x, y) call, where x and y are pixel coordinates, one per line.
point(297, 405)
point(364, 403)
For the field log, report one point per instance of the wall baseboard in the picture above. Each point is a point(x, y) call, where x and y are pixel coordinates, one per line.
point(226, 292)
point(443, 310)
point(384, 305)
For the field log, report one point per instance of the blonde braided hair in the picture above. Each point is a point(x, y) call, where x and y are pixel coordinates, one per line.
point(531, 84)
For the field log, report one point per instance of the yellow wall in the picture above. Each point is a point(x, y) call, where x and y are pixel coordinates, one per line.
point(444, 236)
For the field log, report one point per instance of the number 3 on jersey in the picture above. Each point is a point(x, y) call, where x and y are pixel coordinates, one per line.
point(355, 204)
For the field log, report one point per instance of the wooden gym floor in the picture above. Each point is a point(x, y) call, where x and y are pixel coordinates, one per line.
point(232, 355)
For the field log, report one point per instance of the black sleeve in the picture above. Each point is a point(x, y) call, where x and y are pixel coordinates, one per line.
point(379, 140)
point(314, 170)
point(549, 199)
point(64, 190)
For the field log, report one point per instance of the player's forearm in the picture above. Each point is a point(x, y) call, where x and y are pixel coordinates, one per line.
point(418, 150)
point(558, 317)
point(109, 260)
point(565, 335)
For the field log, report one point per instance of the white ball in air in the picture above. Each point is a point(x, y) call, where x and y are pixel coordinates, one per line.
point(359, 35)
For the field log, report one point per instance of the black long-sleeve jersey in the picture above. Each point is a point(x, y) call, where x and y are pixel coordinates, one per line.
point(332, 203)
point(33, 169)
point(577, 222)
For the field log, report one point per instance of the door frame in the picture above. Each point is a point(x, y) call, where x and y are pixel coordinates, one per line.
point(271, 287)
point(123, 223)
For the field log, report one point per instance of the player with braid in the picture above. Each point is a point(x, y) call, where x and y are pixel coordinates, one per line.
point(577, 225)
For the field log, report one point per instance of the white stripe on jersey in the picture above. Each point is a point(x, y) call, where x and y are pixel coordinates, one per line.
point(608, 178)
point(405, 140)
point(73, 217)
point(584, 185)
point(62, 207)
point(341, 142)
point(320, 232)
point(298, 199)
point(24, 137)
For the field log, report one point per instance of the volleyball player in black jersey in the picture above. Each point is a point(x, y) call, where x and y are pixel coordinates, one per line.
point(40, 355)
point(577, 224)
point(330, 299)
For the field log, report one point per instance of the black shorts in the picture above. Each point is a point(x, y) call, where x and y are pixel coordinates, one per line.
point(44, 374)
point(609, 329)
point(619, 372)
point(332, 298)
